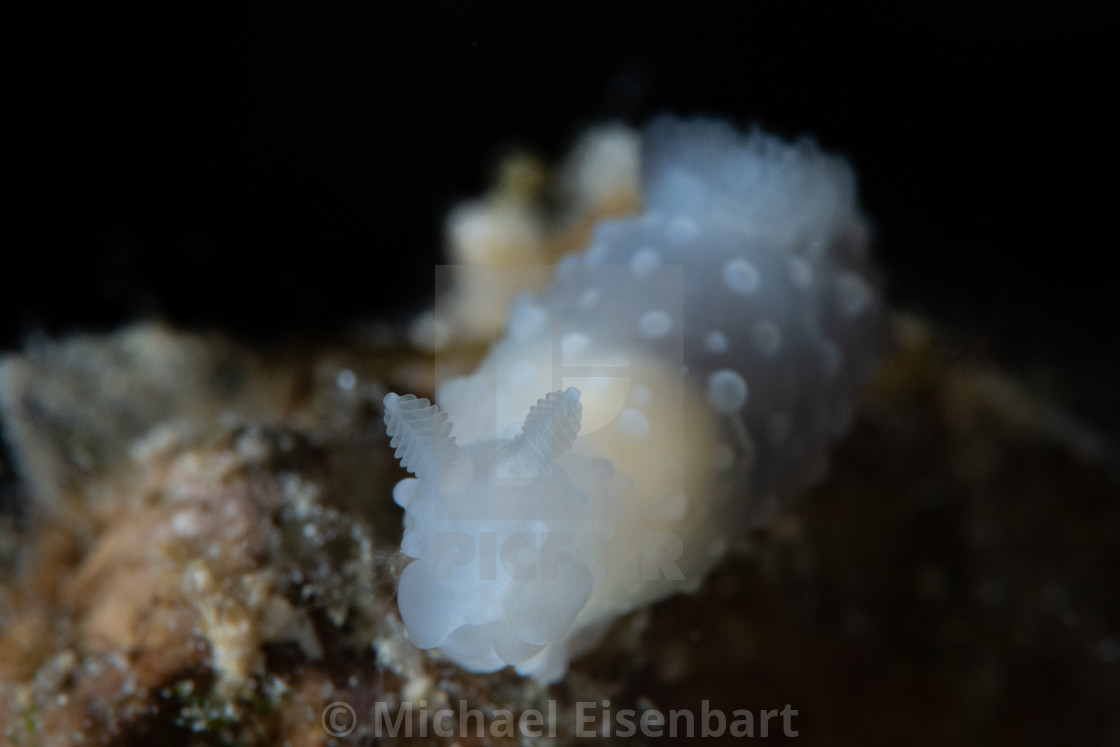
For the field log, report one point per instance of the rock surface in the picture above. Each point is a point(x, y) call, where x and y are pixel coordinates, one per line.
point(205, 558)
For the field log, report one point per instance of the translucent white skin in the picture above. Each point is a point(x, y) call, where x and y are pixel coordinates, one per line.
point(706, 352)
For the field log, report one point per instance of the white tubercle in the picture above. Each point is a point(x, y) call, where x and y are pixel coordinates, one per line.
point(675, 379)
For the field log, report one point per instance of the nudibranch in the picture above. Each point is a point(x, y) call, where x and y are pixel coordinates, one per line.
point(676, 382)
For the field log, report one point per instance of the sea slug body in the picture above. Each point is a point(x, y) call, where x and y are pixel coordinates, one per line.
point(676, 381)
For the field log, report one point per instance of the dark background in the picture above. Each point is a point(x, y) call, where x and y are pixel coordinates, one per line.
point(268, 171)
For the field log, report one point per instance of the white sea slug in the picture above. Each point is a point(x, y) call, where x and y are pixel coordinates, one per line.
point(675, 383)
